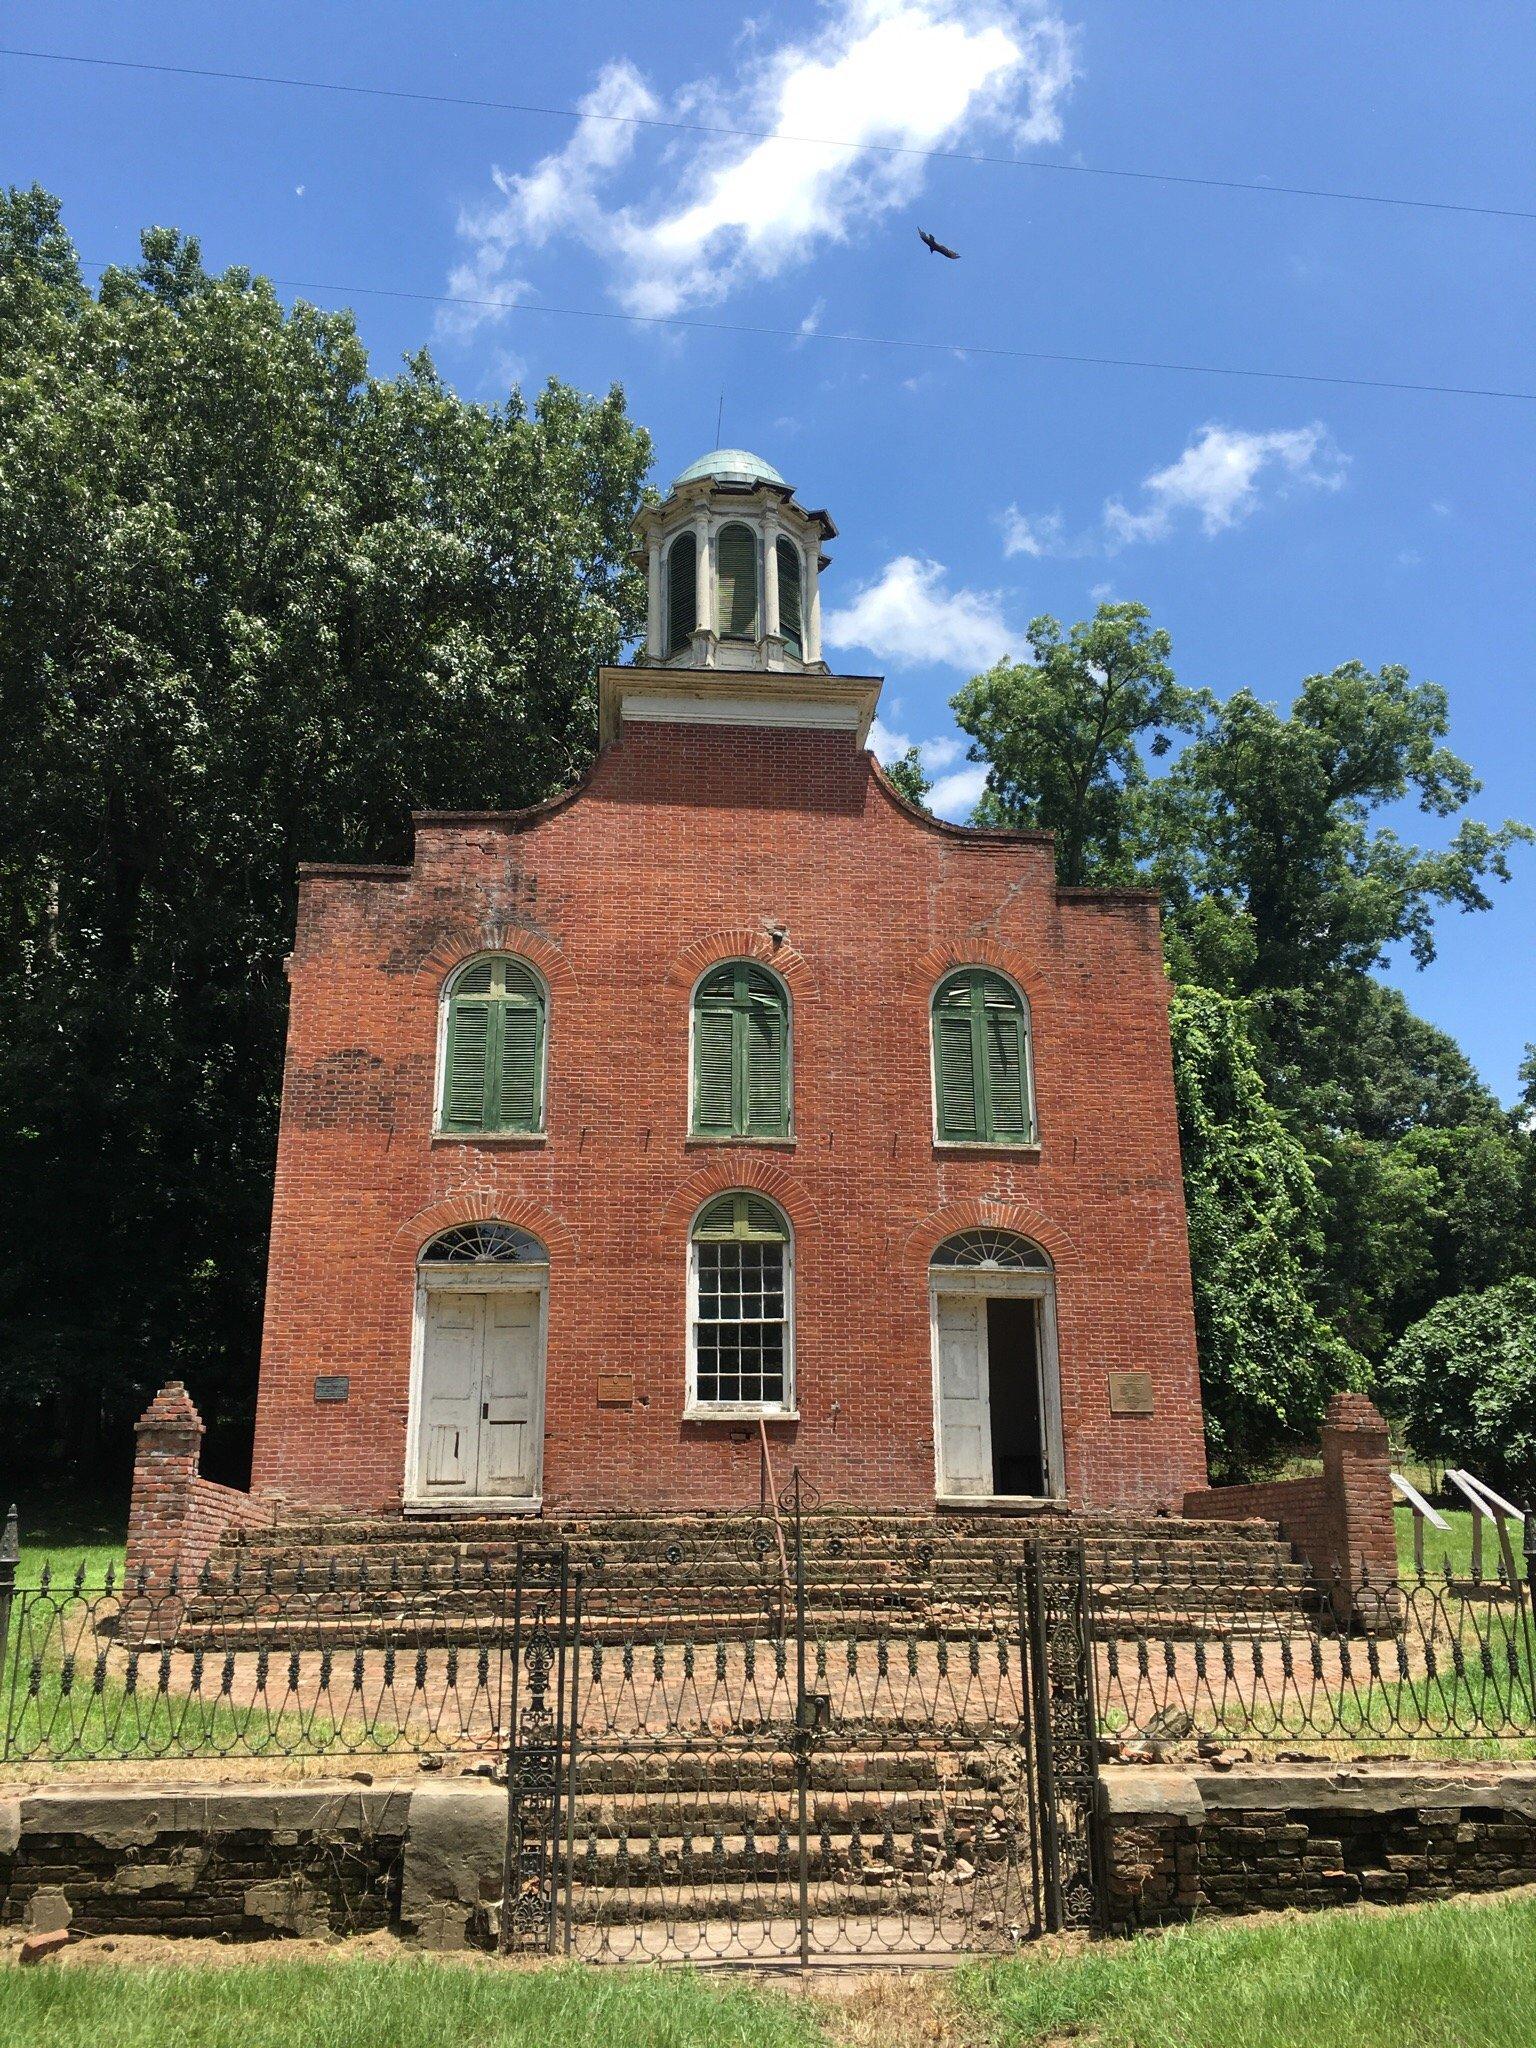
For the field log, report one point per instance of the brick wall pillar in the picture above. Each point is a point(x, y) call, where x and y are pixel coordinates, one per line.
point(165, 1471)
point(1339, 1520)
point(175, 1516)
point(1357, 1479)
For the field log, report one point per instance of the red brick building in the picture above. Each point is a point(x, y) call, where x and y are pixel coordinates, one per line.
point(726, 1095)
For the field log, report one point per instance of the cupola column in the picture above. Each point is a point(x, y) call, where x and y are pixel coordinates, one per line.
point(655, 629)
point(704, 574)
point(770, 574)
point(813, 610)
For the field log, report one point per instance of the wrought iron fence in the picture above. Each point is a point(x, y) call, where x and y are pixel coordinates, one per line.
point(786, 1736)
point(340, 1661)
point(1434, 1664)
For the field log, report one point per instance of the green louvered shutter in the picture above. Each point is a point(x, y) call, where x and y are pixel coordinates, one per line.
point(766, 1090)
point(1007, 1083)
point(518, 1108)
point(791, 622)
point(493, 1063)
point(714, 1020)
point(954, 1064)
point(737, 583)
point(682, 591)
point(466, 1068)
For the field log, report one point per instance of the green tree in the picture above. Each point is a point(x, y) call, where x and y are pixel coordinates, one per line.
point(1270, 816)
point(1463, 1379)
point(906, 772)
point(1268, 1361)
point(258, 603)
point(1062, 737)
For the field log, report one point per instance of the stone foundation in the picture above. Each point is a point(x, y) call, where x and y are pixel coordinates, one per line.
point(250, 1862)
point(1178, 1841)
point(246, 1863)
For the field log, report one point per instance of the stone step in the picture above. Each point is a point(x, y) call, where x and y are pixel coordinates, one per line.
point(650, 1532)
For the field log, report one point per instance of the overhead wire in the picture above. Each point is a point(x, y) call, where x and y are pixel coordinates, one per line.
point(732, 132)
point(992, 350)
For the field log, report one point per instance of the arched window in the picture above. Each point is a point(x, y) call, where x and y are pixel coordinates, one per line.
point(740, 1307)
point(740, 1053)
point(682, 591)
point(991, 1251)
point(493, 1047)
point(981, 1077)
point(791, 608)
point(736, 613)
point(483, 1244)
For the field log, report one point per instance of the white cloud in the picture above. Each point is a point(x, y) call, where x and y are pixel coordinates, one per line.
point(1217, 478)
point(1222, 478)
point(886, 76)
point(908, 614)
point(558, 196)
point(956, 796)
point(954, 793)
point(1041, 534)
point(811, 324)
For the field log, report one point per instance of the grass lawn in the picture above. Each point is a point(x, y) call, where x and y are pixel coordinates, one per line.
point(1447, 1976)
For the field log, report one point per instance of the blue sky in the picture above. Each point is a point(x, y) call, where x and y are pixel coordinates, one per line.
point(1274, 528)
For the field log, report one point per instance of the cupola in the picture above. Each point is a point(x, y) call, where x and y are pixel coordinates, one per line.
point(733, 565)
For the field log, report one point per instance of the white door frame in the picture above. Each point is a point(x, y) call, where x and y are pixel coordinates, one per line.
point(989, 1283)
point(473, 1279)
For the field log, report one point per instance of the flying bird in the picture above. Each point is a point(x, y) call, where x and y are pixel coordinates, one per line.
point(937, 247)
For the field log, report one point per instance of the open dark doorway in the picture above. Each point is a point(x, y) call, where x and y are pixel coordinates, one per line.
point(1013, 1353)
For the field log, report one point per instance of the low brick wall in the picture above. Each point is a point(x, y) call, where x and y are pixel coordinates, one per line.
point(247, 1863)
point(1339, 1520)
point(175, 1516)
point(1182, 1841)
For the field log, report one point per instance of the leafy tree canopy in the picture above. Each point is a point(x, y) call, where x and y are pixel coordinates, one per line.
point(1463, 1379)
point(1062, 736)
point(908, 774)
point(258, 603)
point(1268, 1360)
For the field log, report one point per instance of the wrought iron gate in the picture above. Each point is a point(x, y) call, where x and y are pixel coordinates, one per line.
point(807, 1740)
point(1059, 1728)
point(542, 1627)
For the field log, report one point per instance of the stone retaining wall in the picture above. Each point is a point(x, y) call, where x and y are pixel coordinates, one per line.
point(247, 1863)
point(1181, 1841)
point(252, 1861)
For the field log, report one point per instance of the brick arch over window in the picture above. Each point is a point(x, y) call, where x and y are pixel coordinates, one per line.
point(465, 939)
point(486, 1205)
point(927, 970)
point(993, 1214)
point(728, 1174)
point(741, 942)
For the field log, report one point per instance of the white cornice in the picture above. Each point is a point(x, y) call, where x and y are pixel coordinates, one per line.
point(817, 703)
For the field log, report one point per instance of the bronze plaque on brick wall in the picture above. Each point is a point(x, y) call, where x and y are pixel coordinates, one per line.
point(615, 1390)
point(332, 1386)
point(1130, 1393)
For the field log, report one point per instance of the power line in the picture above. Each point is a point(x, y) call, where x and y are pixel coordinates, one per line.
point(893, 149)
point(952, 348)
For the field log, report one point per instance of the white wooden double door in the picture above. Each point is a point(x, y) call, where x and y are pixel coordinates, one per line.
point(482, 1421)
point(963, 1394)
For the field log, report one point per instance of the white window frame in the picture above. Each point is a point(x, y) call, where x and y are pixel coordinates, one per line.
point(439, 1064)
point(695, 1410)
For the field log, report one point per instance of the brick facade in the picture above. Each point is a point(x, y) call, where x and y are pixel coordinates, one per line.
point(688, 844)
